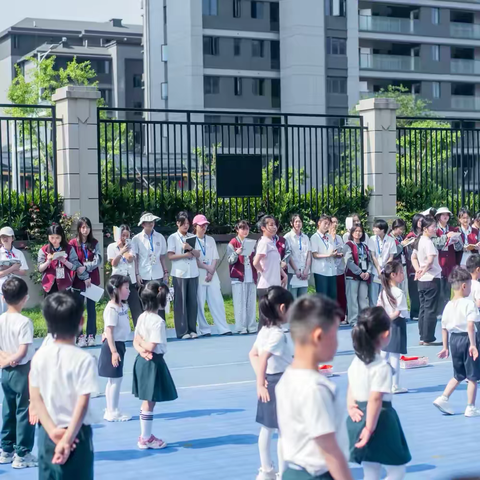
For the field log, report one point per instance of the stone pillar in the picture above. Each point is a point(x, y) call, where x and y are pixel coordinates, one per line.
point(77, 153)
point(380, 155)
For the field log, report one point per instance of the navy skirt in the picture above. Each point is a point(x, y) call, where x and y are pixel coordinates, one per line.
point(398, 336)
point(105, 367)
point(267, 412)
point(464, 366)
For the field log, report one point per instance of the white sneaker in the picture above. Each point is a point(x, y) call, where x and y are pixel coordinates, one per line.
point(243, 332)
point(442, 404)
point(153, 443)
point(472, 411)
point(82, 341)
point(116, 416)
point(186, 337)
point(266, 475)
point(396, 390)
point(6, 457)
point(28, 461)
point(91, 341)
point(193, 335)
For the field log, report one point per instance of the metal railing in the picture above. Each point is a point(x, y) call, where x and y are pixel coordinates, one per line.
point(403, 63)
point(465, 67)
point(168, 157)
point(465, 30)
point(28, 159)
point(465, 102)
point(371, 23)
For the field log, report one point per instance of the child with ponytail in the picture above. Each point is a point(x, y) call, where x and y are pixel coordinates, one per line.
point(270, 357)
point(393, 300)
point(374, 429)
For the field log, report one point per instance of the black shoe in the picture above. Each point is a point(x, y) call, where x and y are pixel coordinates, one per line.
point(432, 344)
point(226, 334)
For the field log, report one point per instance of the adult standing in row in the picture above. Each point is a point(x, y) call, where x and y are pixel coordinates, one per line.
point(469, 235)
point(339, 247)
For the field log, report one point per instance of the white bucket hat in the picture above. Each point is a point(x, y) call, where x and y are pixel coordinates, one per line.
point(8, 231)
point(427, 212)
point(148, 217)
point(443, 210)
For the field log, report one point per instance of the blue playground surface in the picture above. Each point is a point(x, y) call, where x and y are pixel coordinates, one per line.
point(211, 430)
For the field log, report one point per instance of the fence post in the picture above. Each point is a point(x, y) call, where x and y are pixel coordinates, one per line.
point(380, 155)
point(77, 153)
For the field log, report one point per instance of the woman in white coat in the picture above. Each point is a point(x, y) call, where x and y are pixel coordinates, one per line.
point(209, 283)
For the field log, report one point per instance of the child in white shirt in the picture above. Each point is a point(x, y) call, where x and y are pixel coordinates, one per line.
point(473, 267)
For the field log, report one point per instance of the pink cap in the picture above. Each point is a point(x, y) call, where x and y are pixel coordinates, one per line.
point(200, 220)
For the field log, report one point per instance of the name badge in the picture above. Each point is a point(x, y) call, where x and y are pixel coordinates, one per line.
point(206, 262)
point(152, 258)
point(60, 273)
point(363, 265)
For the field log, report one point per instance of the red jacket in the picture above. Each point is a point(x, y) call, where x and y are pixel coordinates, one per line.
point(354, 248)
point(281, 245)
point(470, 239)
point(94, 274)
point(237, 270)
point(447, 258)
point(50, 274)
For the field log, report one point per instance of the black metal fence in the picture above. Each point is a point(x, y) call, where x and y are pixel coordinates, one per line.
point(28, 152)
point(164, 160)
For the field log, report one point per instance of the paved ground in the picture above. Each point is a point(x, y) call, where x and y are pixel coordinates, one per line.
point(212, 433)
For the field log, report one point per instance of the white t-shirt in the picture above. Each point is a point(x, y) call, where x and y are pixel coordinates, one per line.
point(185, 267)
point(16, 330)
point(117, 317)
point(426, 248)
point(208, 254)
point(299, 246)
point(124, 267)
point(339, 245)
point(273, 340)
point(15, 253)
point(382, 249)
point(322, 244)
point(308, 407)
point(458, 313)
point(466, 253)
point(475, 293)
point(270, 263)
point(151, 327)
point(374, 377)
point(148, 250)
point(401, 299)
point(63, 373)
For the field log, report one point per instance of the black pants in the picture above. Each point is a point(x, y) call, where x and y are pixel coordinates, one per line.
point(91, 314)
point(427, 319)
point(326, 285)
point(134, 303)
point(54, 289)
point(444, 294)
point(185, 305)
point(414, 298)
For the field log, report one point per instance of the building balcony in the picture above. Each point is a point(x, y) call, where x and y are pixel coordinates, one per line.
point(465, 102)
point(401, 63)
point(464, 67)
point(370, 23)
point(465, 30)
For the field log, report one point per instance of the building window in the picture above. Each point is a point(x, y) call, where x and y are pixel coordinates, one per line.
point(259, 121)
point(210, 7)
point(211, 45)
point(258, 48)
point(164, 53)
point(237, 86)
point(212, 124)
point(335, 8)
point(436, 89)
point(257, 9)
point(237, 8)
point(336, 46)
point(435, 16)
point(106, 94)
point(16, 41)
point(436, 53)
point(137, 81)
point(237, 49)
point(165, 91)
point(211, 85)
point(336, 85)
point(258, 87)
point(138, 106)
point(107, 67)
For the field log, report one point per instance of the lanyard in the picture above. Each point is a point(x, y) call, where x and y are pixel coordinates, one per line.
point(466, 234)
point(150, 239)
point(204, 247)
point(9, 253)
point(444, 230)
point(327, 245)
point(361, 251)
point(300, 241)
point(85, 251)
point(241, 242)
point(182, 238)
point(124, 260)
point(380, 250)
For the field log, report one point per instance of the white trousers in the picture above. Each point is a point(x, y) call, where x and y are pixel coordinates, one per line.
point(214, 298)
point(245, 306)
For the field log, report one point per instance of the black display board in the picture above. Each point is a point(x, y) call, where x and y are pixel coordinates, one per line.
point(239, 176)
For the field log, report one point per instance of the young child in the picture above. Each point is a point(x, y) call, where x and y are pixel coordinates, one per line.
point(310, 413)
point(393, 300)
point(116, 333)
point(458, 320)
point(152, 381)
point(375, 432)
point(16, 345)
point(61, 380)
point(473, 267)
point(270, 356)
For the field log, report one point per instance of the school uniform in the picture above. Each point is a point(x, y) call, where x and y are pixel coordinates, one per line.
point(17, 433)
point(116, 317)
point(455, 320)
point(411, 282)
point(209, 291)
point(387, 445)
point(270, 263)
point(91, 259)
point(469, 237)
point(243, 276)
point(339, 245)
point(127, 269)
point(398, 327)
point(382, 250)
point(324, 269)
point(428, 289)
point(346, 237)
point(148, 249)
point(6, 255)
point(151, 378)
point(272, 340)
point(308, 407)
point(283, 249)
point(185, 283)
point(357, 257)
point(300, 248)
point(401, 257)
point(63, 373)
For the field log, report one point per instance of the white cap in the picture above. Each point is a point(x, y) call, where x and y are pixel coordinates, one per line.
point(148, 217)
point(427, 212)
point(8, 231)
point(443, 210)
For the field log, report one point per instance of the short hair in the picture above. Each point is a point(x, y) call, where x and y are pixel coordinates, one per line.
point(398, 223)
point(310, 312)
point(463, 211)
point(154, 296)
point(14, 290)
point(321, 218)
point(242, 224)
point(381, 224)
point(473, 262)
point(113, 284)
point(458, 276)
point(352, 230)
point(294, 216)
point(182, 217)
point(63, 312)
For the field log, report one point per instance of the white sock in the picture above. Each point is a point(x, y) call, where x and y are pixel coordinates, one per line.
point(371, 471)
point(112, 393)
point(394, 360)
point(281, 462)
point(264, 447)
point(146, 423)
point(395, 472)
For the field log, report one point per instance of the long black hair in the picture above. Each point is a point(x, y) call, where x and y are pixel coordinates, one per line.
point(113, 285)
point(427, 221)
point(262, 223)
point(372, 322)
point(416, 218)
point(154, 296)
point(81, 222)
point(269, 305)
point(390, 268)
point(56, 229)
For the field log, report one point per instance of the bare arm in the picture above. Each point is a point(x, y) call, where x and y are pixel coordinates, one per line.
point(336, 461)
point(38, 406)
point(143, 345)
point(374, 406)
point(308, 262)
point(13, 359)
point(259, 364)
point(174, 256)
point(256, 262)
